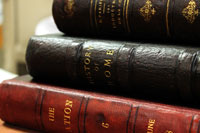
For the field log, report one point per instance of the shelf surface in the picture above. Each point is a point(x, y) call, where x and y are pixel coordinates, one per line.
point(8, 128)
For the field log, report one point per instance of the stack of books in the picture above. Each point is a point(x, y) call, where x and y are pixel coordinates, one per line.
point(76, 78)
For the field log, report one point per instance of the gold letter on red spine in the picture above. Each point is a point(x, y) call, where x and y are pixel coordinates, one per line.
point(51, 114)
point(67, 115)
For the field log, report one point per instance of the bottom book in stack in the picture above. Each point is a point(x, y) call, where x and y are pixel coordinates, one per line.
point(50, 108)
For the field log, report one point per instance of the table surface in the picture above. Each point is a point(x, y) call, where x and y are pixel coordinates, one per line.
point(7, 128)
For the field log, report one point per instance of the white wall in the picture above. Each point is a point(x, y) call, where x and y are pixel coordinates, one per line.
point(20, 20)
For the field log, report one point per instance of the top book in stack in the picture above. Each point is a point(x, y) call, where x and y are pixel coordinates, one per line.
point(174, 19)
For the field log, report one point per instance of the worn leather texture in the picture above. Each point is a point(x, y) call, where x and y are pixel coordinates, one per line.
point(150, 69)
point(146, 19)
point(54, 109)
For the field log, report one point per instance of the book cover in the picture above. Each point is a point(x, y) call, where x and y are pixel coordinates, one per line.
point(133, 67)
point(48, 108)
point(160, 19)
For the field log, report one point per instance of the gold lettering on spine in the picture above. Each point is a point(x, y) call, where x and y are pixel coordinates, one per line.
point(114, 10)
point(119, 21)
point(86, 68)
point(107, 74)
point(96, 68)
point(102, 8)
point(67, 115)
point(68, 103)
point(190, 12)
point(107, 62)
point(51, 114)
point(87, 54)
point(105, 125)
point(167, 19)
point(108, 9)
point(87, 62)
point(101, 11)
point(168, 131)
point(113, 17)
point(150, 125)
point(147, 11)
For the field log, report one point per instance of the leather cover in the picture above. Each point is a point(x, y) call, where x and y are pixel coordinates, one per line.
point(161, 70)
point(175, 19)
point(55, 109)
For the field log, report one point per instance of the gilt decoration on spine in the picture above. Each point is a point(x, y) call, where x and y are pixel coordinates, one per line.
point(190, 12)
point(147, 11)
point(69, 7)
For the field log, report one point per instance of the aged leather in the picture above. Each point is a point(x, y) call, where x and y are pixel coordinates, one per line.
point(152, 19)
point(162, 70)
point(54, 109)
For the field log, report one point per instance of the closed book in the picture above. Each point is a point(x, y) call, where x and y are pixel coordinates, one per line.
point(48, 108)
point(174, 19)
point(133, 67)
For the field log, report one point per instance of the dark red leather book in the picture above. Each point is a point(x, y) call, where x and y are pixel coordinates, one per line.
point(54, 109)
point(148, 69)
point(175, 19)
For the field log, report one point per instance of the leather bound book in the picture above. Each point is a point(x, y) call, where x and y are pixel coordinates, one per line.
point(148, 69)
point(175, 19)
point(54, 109)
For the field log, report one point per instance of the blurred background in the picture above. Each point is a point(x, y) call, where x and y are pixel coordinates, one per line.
point(19, 20)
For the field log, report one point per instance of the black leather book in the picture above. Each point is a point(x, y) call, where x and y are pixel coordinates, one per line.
point(150, 69)
point(177, 19)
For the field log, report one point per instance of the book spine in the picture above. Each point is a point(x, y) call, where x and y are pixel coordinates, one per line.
point(144, 18)
point(166, 70)
point(53, 109)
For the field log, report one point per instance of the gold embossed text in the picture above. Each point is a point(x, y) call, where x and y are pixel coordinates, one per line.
point(150, 125)
point(51, 114)
point(87, 62)
point(67, 115)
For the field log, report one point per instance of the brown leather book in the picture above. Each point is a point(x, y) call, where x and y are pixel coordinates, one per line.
point(54, 109)
point(175, 19)
point(146, 69)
